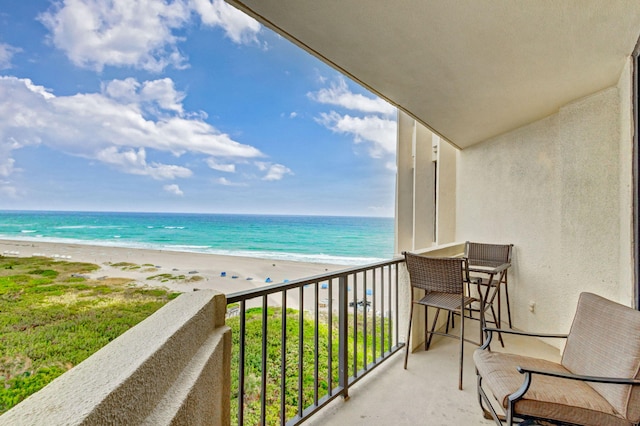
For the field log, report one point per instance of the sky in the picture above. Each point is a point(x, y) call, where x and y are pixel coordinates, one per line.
point(181, 106)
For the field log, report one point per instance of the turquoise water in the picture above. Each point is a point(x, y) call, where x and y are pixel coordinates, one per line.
point(325, 239)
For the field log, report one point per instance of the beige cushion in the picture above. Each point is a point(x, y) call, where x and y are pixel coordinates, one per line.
point(605, 341)
point(548, 397)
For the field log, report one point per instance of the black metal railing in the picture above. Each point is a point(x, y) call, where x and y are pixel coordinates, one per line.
point(299, 345)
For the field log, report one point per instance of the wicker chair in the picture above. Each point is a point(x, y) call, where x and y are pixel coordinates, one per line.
point(442, 280)
point(596, 383)
point(479, 252)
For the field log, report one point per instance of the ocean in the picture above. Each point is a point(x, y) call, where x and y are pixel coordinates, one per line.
point(321, 239)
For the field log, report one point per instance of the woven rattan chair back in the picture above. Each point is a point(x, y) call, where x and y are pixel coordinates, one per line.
point(477, 253)
point(444, 275)
point(489, 252)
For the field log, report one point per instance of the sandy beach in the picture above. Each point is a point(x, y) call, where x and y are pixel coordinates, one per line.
point(240, 273)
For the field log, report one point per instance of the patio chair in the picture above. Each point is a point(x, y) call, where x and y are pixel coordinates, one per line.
point(596, 382)
point(442, 280)
point(500, 253)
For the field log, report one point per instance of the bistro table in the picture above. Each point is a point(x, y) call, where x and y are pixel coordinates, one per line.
point(495, 272)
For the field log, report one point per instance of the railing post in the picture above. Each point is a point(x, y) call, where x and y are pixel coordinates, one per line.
point(343, 327)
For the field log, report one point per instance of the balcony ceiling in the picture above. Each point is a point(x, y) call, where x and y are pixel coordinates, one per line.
point(468, 69)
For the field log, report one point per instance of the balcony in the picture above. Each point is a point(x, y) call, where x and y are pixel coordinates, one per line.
point(374, 390)
point(425, 393)
point(182, 363)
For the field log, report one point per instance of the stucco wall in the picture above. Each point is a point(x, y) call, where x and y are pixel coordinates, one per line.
point(559, 190)
point(171, 369)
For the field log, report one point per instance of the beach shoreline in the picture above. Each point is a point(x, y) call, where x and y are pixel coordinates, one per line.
point(240, 273)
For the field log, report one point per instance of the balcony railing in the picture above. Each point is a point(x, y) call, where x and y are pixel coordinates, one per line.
point(299, 345)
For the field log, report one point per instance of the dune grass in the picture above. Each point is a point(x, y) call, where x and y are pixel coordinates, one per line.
point(254, 367)
point(52, 318)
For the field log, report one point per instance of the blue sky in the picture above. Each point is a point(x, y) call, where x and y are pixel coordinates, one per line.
point(181, 106)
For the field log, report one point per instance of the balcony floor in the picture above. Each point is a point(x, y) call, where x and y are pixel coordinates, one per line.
point(427, 392)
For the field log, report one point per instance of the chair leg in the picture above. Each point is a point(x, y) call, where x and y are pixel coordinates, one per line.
point(506, 294)
point(499, 307)
point(461, 347)
point(496, 322)
point(469, 294)
point(408, 342)
point(451, 319)
point(433, 328)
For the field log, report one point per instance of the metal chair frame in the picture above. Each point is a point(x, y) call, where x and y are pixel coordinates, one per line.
point(443, 281)
point(479, 252)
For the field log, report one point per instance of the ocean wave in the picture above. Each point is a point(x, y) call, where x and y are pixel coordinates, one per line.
point(299, 257)
point(173, 227)
point(284, 256)
point(187, 246)
point(88, 227)
point(28, 231)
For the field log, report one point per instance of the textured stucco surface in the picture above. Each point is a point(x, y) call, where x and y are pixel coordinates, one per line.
point(172, 368)
point(559, 190)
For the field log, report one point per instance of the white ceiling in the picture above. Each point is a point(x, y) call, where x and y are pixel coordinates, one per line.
point(468, 69)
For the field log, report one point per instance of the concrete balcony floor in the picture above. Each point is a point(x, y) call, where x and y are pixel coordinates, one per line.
point(427, 392)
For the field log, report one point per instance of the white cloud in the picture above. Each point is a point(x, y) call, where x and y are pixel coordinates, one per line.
point(6, 54)
point(173, 189)
point(374, 127)
point(154, 96)
point(339, 94)
point(8, 190)
point(379, 132)
point(239, 27)
point(293, 114)
point(274, 171)
point(6, 165)
point(136, 33)
point(120, 126)
point(135, 162)
point(215, 165)
point(226, 182)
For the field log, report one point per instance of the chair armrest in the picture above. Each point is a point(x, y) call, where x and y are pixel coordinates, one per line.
point(571, 376)
point(502, 267)
point(490, 331)
point(523, 333)
point(528, 378)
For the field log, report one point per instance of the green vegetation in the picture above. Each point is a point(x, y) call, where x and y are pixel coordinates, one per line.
point(163, 278)
point(253, 361)
point(52, 319)
point(126, 266)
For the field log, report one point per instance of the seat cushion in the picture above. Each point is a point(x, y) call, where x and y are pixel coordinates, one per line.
point(604, 341)
point(554, 398)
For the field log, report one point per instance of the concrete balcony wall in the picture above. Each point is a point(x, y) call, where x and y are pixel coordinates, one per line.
point(174, 368)
point(559, 189)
